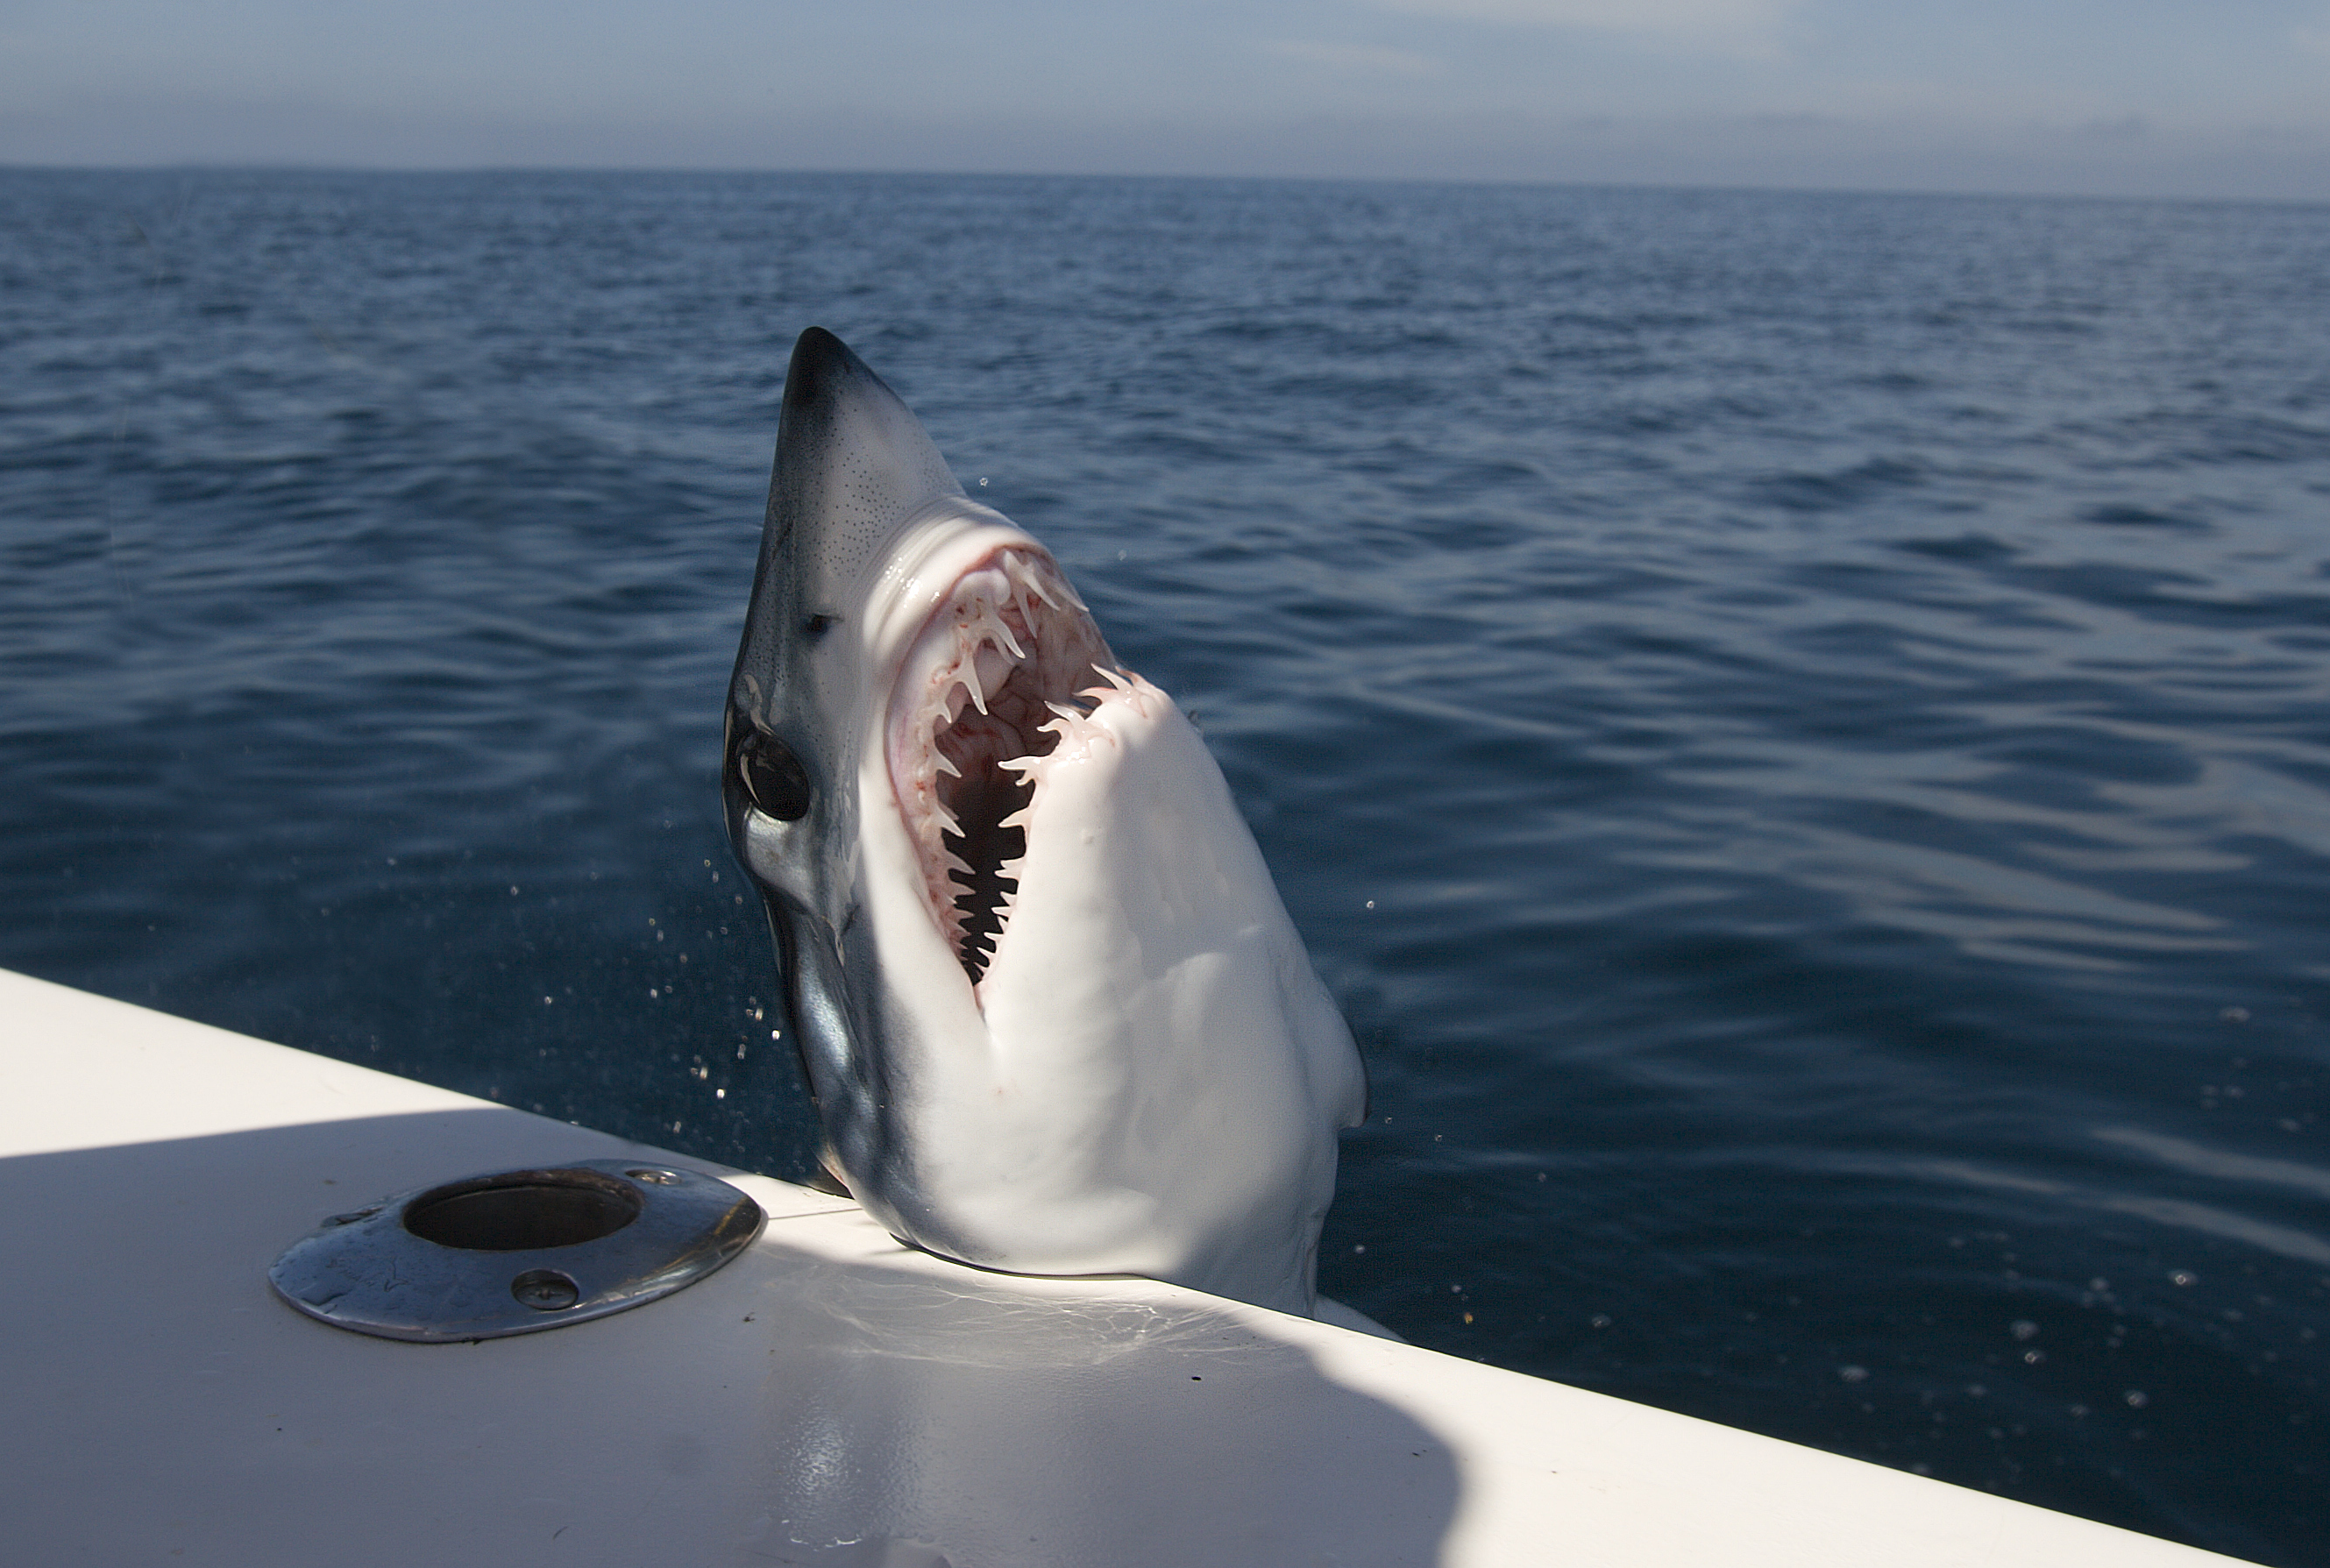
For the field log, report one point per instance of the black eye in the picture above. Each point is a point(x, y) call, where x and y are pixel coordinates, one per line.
point(772, 775)
point(817, 626)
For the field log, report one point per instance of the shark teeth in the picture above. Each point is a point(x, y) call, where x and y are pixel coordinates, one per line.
point(984, 696)
point(1030, 581)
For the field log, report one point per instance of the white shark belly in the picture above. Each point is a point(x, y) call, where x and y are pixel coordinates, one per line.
point(1163, 1073)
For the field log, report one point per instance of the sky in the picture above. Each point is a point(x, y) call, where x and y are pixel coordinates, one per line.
point(2146, 98)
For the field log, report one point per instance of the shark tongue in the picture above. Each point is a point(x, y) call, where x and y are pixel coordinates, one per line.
point(973, 708)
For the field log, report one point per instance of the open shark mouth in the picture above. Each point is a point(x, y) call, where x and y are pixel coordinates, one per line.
point(990, 689)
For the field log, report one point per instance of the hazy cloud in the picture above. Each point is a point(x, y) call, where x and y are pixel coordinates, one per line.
point(1715, 18)
point(1358, 57)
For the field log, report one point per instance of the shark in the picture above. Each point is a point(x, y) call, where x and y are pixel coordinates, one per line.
point(1052, 1011)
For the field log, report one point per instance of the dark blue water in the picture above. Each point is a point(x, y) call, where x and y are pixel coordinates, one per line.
point(1797, 727)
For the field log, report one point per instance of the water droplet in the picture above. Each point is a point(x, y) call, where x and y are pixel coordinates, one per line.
point(2137, 1399)
point(2023, 1328)
point(1853, 1373)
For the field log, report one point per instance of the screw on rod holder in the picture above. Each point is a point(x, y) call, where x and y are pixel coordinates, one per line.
point(517, 1250)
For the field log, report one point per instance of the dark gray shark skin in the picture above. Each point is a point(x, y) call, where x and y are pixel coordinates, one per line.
point(1052, 1012)
point(781, 762)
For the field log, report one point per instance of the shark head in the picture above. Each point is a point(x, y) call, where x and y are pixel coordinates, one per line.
point(1052, 1011)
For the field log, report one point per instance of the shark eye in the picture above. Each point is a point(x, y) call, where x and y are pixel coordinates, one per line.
point(772, 775)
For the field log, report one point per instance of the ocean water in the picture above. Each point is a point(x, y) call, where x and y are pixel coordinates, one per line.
point(1797, 727)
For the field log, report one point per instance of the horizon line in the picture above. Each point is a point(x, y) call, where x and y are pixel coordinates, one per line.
point(222, 166)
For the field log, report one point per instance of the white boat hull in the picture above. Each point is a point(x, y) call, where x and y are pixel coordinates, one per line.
point(830, 1397)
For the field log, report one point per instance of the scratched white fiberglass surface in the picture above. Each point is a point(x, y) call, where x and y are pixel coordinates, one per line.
point(1794, 726)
